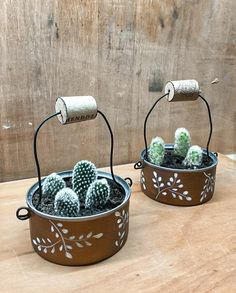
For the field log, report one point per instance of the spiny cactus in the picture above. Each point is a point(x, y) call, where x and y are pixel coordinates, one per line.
point(97, 194)
point(66, 203)
point(182, 142)
point(156, 151)
point(51, 185)
point(194, 156)
point(84, 174)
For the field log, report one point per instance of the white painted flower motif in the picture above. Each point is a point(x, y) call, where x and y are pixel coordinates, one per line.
point(143, 180)
point(62, 241)
point(208, 187)
point(122, 221)
point(172, 186)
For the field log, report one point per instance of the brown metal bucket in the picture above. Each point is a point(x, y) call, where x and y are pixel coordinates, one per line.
point(79, 240)
point(180, 187)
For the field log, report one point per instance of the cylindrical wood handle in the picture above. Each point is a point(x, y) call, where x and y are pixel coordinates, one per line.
point(182, 90)
point(76, 109)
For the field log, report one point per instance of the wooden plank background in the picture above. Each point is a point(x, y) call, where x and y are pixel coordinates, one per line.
point(121, 52)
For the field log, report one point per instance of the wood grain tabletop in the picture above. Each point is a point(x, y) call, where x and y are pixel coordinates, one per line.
point(169, 249)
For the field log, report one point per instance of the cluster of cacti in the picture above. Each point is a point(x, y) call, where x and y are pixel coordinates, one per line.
point(182, 142)
point(156, 151)
point(192, 155)
point(52, 184)
point(86, 190)
point(97, 194)
point(84, 173)
point(66, 203)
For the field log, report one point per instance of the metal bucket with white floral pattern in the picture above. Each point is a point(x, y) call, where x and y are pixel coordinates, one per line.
point(79, 240)
point(181, 187)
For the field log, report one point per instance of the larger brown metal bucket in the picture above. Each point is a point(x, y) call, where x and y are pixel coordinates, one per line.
point(80, 240)
point(180, 187)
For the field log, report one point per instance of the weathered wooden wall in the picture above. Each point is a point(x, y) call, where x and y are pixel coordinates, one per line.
point(122, 53)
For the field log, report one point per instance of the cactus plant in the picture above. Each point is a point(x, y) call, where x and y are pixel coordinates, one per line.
point(52, 184)
point(182, 142)
point(194, 156)
point(156, 151)
point(84, 174)
point(97, 194)
point(66, 203)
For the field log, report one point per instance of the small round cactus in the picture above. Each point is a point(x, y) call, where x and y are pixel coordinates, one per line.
point(66, 203)
point(97, 194)
point(182, 142)
point(84, 174)
point(194, 156)
point(156, 151)
point(51, 185)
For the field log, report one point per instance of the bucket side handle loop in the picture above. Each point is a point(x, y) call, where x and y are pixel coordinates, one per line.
point(24, 216)
point(138, 165)
point(129, 181)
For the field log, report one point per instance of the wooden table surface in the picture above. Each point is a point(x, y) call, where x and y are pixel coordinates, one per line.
point(169, 249)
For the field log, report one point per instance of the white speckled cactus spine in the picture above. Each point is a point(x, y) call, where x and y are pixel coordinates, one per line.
point(194, 156)
point(51, 185)
point(182, 142)
point(156, 151)
point(97, 194)
point(67, 203)
point(84, 173)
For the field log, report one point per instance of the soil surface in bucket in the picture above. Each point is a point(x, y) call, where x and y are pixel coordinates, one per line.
point(175, 162)
point(117, 196)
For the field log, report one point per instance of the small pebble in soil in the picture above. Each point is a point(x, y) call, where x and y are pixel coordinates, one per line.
point(117, 196)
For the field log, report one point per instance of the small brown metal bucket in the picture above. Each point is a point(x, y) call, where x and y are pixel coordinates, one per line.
point(181, 187)
point(178, 186)
point(79, 240)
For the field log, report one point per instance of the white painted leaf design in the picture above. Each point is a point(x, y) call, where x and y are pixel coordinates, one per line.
point(154, 180)
point(81, 237)
point(59, 225)
point(57, 235)
point(89, 234)
point(39, 248)
point(116, 243)
point(98, 235)
point(185, 192)
point(79, 244)
point(53, 250)
point(174, 195)
point(68, 255)
point(162, 184)
point(69, 247)
point(49, 240)
point(88, 243)
point(120, 225)
point(174, 189)
point(178, 181)
point(65, 231)
point(123, 212)
point(164, 193)
point(175, 175)
point(34, 241)
point(117, 214)
point(118, 221)
point(61, 247)
point(168, 183)
point(72, 237)
point(38, 240)
point(171, 179)
point(43, 240)
point(155, 174)
point(155, 185)
point(144, 187)
point(188, 198)
point(180, 186)
point(160, 179)
point(52, 228)
point(45, 250)
point(180, 197)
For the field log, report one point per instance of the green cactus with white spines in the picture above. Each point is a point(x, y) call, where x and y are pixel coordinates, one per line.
point(51, 185)
point(97, 194)
point(182, 142)
point(156, 151)
point(66, 203)
point(84, 173)
point(193, 157)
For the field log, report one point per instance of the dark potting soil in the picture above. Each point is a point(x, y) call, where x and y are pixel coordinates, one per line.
point(175, 162)
point(117, 196)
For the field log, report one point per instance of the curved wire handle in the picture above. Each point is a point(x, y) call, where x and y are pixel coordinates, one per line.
point(36, 154)
point(145, 124)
